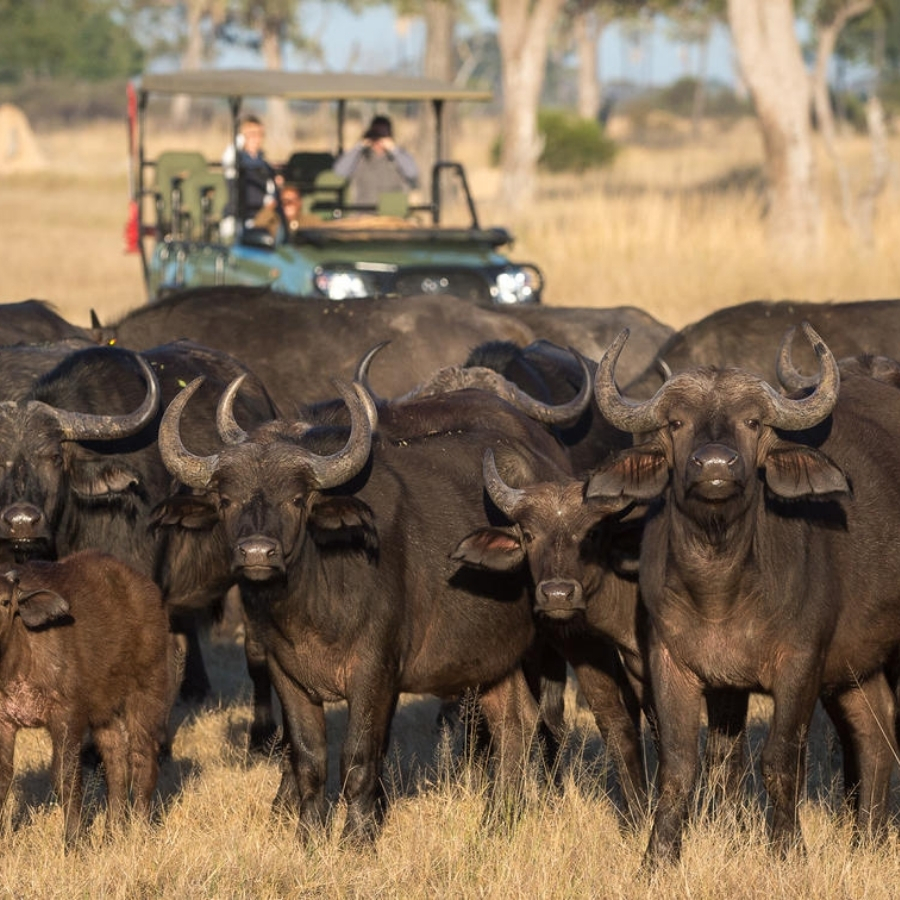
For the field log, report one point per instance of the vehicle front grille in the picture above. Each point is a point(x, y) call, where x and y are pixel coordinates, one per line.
point(462, 283)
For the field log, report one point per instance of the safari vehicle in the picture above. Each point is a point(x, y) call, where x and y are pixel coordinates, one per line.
point(348, 251)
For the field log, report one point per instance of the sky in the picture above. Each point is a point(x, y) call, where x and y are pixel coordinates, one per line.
point(375, 41)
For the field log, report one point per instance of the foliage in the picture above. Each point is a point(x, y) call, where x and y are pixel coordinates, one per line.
point(54, 102)
point(571, 144)
point(75, 39)
point(678, 98)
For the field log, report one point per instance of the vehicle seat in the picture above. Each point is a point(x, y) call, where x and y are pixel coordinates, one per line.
point(327, 195)
point(204, 195)
point(303, 167)
point(173, 168)
point(393, 203)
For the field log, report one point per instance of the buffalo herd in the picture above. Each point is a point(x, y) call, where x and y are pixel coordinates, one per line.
point(423, 495)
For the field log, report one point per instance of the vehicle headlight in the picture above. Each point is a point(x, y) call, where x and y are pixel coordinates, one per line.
point(517, 284)
point(341, 284)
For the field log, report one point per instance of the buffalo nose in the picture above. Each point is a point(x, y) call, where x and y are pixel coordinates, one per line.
point(259, 551)
point(559, 598)
point(714, 455)
point(21, 518)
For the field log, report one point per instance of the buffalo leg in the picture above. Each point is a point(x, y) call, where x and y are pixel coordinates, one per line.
point(678, 697)
point(66, 766)
point(7, 759)
point(371, 706)
point(864, 717)
point(617, 714)
point(784, 754)
point(110, 741)
point(262, 727)
point(511, 713)
point(195, 685)
point(304, 725)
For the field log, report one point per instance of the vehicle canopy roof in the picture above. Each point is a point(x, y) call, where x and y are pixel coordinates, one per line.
point(313, 86)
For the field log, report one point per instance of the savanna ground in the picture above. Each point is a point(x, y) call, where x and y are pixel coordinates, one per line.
point(675, 230)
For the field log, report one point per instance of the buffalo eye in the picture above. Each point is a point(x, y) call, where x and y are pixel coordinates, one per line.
point(675, 424)
point(752, 424)
point(224, 502)
point(527, 536)
point(298, 500)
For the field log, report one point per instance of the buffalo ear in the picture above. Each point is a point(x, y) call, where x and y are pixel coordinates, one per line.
point(194, 512)
point(342, 520)
point(37, 608)
point(796, 471)
point(102, 479)
point(633, 474)
point(496, 549)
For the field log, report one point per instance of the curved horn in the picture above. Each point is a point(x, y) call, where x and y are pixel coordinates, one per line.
point(506, 498)
point(194, 471)
point(795, 415)
point(619, 412)
point(77, 426)
point(362, 369)
point(330, 471)
point(789, 375)
point(369, 401)
point(229, 430)
point(459, 378)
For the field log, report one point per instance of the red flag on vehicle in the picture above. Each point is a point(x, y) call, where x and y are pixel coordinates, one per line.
point(132, 231)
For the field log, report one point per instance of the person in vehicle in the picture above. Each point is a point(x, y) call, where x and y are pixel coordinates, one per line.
point(250, 169)
point(291, 218)
point(377, 165)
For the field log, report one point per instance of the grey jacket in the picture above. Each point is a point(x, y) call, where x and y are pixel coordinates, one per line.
point(371, 174)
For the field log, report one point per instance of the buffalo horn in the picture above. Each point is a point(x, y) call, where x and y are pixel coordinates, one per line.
point(362, 369)
point(194, 471)
point(460, 378)
point(77, 426)
point(795, 415)
point(336, 469)
point(790, 377)
point(619, 412)
point(505, 498)
point(229, 430)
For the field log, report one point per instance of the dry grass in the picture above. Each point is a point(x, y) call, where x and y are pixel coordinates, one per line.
point(674, 231)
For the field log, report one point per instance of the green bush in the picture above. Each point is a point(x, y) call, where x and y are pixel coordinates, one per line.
point(571, 144)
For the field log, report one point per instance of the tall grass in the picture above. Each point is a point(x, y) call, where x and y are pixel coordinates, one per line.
point(677, 232)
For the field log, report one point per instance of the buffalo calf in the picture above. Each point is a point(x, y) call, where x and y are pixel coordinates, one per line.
point(84, 643)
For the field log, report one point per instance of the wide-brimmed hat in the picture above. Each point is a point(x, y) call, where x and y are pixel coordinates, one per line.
point(379, 127)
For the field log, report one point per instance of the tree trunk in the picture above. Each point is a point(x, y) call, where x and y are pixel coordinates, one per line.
point(438, 62)
point(587, 27)
point(524, 33)
point(191, 59)
point(772, 66)
point(698, 105)
point(826, 39)
point(280, 137)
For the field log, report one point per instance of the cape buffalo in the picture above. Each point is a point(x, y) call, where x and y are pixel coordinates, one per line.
point(764, 567)
point(582, 556)
point(84, 643)
point(746, 335)
point(82, 468)
point(297, 345)
point(36, 322)
point(339, 543)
